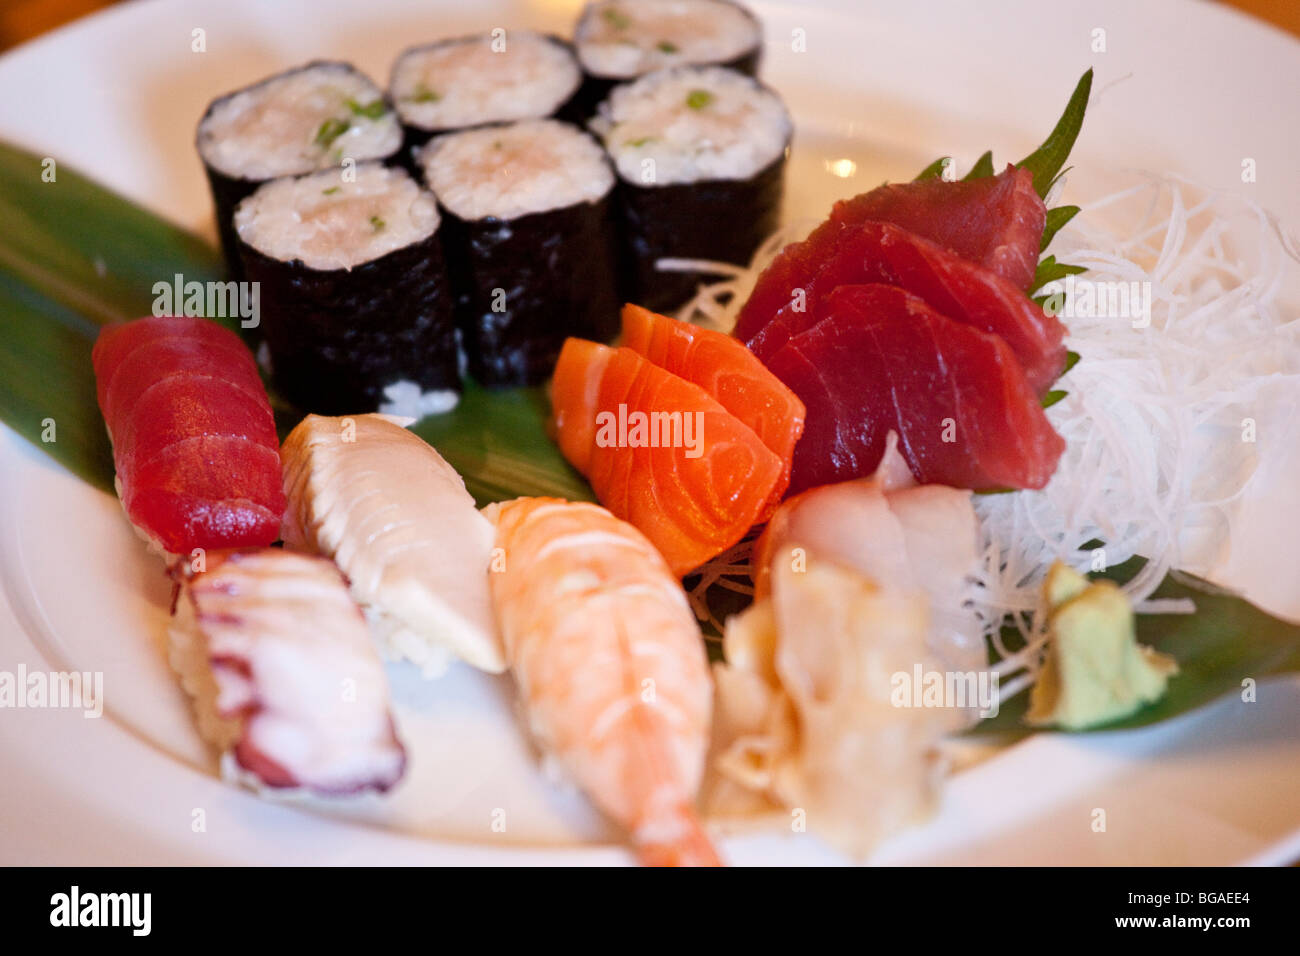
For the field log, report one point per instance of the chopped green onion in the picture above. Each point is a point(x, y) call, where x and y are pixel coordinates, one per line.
point(330, 130)
point(377, 223)
point(424, 95)
point(370, 110)
point(617, 19)
point(698, 99)
point(330, 192)
point(638, 143)
point(663, 46)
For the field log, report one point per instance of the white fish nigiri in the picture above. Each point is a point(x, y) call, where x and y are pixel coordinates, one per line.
point(285, 679)
point(396, 517)
point(610, 666)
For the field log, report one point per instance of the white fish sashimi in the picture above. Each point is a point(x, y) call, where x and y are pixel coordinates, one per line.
point(397, 518)
point(285, 679)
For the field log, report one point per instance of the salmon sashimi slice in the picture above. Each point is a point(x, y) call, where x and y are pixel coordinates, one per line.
point(610, 666)
point(660, 452)
point(874, 252)
point(882, 360)
point(728, 371)
point(994, 221)
point(194, 441)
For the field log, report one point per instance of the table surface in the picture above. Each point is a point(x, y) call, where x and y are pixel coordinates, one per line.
point(22, 20)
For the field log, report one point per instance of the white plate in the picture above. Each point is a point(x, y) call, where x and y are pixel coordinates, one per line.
point(1187, 88)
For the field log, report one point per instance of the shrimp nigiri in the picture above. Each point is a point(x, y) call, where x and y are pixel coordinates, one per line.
point(285, 680)
point(610, 666)
point(194, 440)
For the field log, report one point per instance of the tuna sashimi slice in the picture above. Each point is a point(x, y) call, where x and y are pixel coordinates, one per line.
point(995, 221)
point(882, 359)
point(728, 371)
point(873, 252)
point(660, 452)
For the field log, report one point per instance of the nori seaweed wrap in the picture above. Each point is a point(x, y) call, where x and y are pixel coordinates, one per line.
point(529, 231)
point(353, 290)
point(305, 119)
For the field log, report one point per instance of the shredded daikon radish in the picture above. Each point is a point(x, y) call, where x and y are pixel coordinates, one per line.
point(1159, 421)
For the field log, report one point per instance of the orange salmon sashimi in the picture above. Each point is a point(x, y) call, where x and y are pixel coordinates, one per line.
point(722, 366)
point(660, 452)
point(610, 665)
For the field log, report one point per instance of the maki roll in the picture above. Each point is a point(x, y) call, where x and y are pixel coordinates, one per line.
point(309, 118)
point(354, 294)
point(530, 242)
point(496, 77)
point(700, 154)
point(620, 40)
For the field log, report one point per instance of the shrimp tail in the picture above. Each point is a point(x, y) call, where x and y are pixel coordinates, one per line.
point(678, 839)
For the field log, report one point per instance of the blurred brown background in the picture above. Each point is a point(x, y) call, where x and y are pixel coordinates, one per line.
point(23, 19)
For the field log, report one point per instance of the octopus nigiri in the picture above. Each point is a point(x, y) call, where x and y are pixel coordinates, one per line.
point(610, 667)
point(194, 440)
point(396, 517)
point(285, 680)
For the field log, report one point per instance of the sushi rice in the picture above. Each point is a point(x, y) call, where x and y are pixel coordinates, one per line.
point(473, 81)
point(620, 39)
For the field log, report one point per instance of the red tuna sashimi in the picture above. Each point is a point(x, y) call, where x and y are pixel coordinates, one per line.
point(883, 360)
point(995, 221)
point(194, 440)
point(972, 295)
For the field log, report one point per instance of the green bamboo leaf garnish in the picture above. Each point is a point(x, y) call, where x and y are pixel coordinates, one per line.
point(934, 170)
point(1056, 219)
point(1225, 642)
point(1048, 160)
point(983, 167)
point(1052, 397)
point(1049, 270)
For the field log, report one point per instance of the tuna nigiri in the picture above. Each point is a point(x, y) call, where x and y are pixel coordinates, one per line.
point(882, 360)
point(728, 371)
point(194, 441)
point(964, 292)
point(610, 666)
point(399, 522)
point(661, 452)
point(285, 680)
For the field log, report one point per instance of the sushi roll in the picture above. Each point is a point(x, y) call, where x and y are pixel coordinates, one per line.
point(354, 293)
point(470, 81)
point(700, 154)
point(309, 118)
point(284, 679)
point(620, 40)
point(530, 238)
